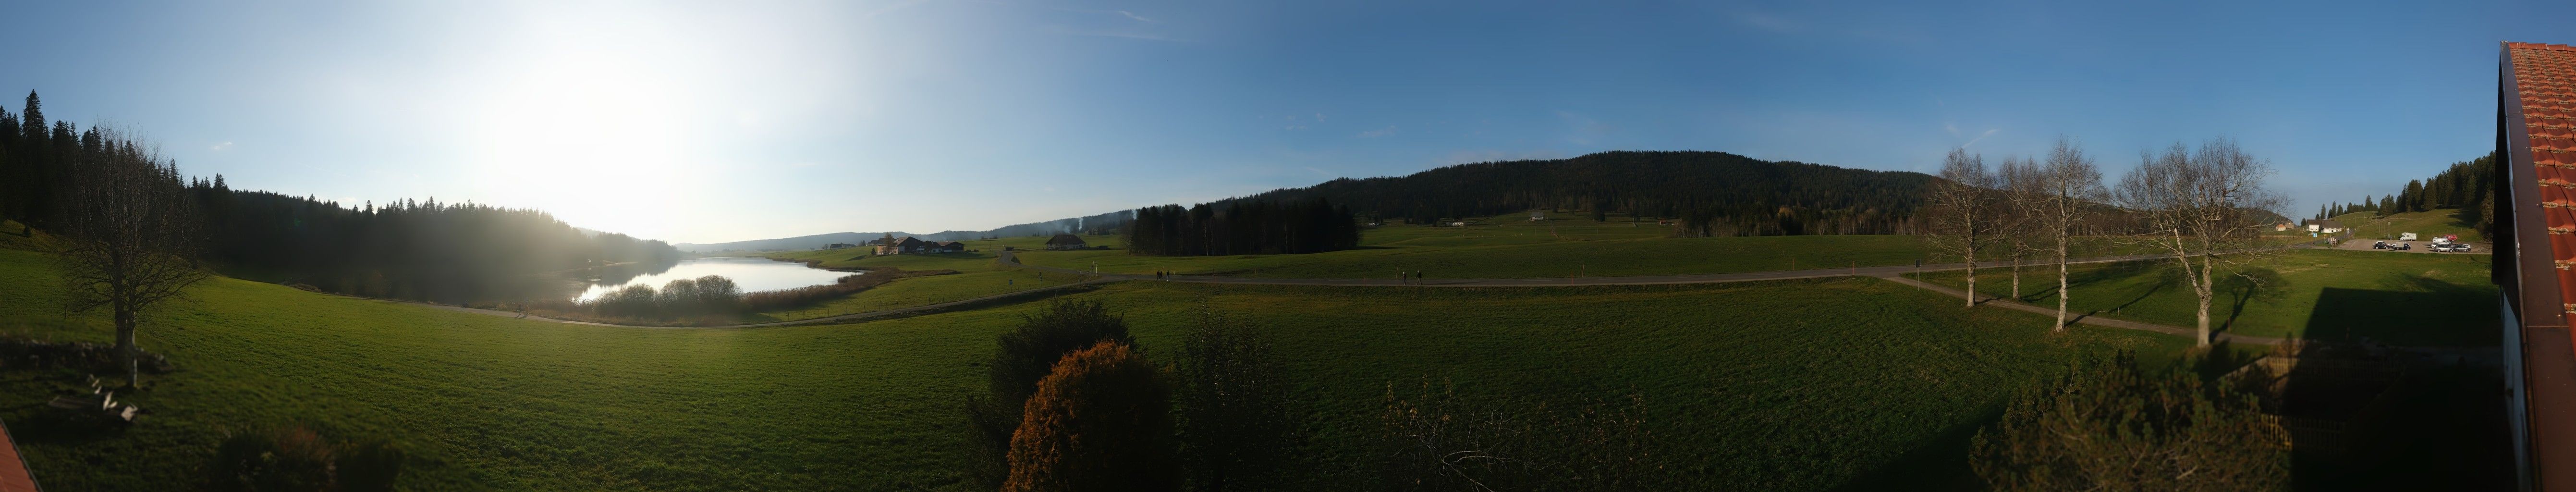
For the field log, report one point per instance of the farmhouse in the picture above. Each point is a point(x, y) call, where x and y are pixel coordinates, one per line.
point(903, 246)
point(2325, 226)
point(1064, 242)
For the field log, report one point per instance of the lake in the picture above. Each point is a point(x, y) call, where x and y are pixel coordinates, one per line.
point(752, 274)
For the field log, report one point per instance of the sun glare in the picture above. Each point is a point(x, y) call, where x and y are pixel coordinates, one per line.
point(588, 125)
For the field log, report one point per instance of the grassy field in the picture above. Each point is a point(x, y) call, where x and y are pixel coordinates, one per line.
point(920, 291)
point(1801, 385)
point(1511, 246)
point(2407, 299)
point(2426, 224)
point(978, 276)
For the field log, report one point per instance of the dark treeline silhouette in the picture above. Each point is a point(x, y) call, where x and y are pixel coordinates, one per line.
point(442, 252)
point(419, 250)
point(1713, 193)
point(1242, 227)
point(2465, 185)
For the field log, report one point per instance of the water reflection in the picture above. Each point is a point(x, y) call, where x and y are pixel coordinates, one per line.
point(752, 274)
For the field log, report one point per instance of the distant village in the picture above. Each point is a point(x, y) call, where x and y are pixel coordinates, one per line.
point(891, 245)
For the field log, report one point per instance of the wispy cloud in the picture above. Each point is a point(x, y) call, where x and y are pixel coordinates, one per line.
point(1146, 36)
point(1981, 136)
point(1320, 171)
point(1132, 15)
point(1378, 132)
point(220, 147)
point(1319, 117)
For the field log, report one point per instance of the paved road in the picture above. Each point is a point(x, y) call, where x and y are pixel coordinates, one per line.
point(2475, 248)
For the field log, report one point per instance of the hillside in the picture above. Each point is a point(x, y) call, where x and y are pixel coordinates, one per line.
point(1722, 194)
point(1712, 193)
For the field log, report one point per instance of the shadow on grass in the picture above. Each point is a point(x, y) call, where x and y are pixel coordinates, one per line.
point(1939, 464)
point(2406, 310)
point(2244, 287)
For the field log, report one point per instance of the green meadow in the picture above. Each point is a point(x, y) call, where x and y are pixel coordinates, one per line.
point(1794, 385)
point(2398, 298)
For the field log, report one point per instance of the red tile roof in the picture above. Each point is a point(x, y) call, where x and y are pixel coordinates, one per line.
point(13, 471)
point(2545, 78)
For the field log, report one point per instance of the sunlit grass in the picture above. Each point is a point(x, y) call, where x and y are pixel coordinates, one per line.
point(2401, 298)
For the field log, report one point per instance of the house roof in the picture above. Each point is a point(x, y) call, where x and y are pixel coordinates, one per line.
point(1061, 239)
point(2545, 80)
point(2536, 222)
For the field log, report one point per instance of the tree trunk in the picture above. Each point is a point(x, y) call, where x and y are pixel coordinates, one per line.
point(1972, 279)
point(2201, 288)
point(2016, 274)
point(125, 346)
point(2061, 284)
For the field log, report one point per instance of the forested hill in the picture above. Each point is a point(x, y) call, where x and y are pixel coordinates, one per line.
point(1712, 193)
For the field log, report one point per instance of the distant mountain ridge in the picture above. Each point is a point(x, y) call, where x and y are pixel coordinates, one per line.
point(1709, 193)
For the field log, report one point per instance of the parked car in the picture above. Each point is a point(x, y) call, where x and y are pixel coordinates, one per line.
point(2403, 247)
point(2379, 245)
point(2460, 247)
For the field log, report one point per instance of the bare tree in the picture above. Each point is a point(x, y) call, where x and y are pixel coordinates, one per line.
point(128, 238)
point(2199, 204)
point(2020, 196)
point(2070, 186)
point(1963, 211)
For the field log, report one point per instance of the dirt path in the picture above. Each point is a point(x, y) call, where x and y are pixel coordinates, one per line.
point(2088, 319)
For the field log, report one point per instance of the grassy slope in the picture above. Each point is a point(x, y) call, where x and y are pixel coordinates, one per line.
point(2402, 298)
point(1783, 386)
point(2426, 224)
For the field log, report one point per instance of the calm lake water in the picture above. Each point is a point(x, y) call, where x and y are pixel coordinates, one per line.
point(749, 273)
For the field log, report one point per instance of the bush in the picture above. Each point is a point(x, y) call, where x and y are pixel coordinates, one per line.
point(295, 459)
point(283, 460)
point(2109, 425)
point(1101, 421)
point(1027, 355)
point(368, 466)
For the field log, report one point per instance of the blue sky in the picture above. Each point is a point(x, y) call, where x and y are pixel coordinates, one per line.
point(709, 122)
